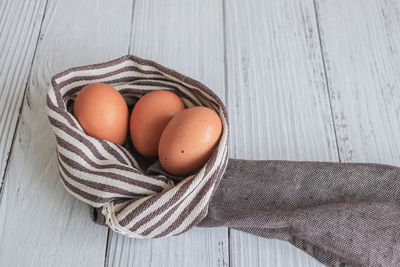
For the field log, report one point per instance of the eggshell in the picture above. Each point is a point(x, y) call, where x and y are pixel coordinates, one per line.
point(189, 139)
point(102, 112)
point(149, 117)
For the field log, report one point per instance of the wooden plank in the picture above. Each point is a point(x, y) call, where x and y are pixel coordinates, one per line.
point(20, 23)
point(277, 101)
point(198, 247)
point(40, 223)
point(188, 37)
point(361, 45)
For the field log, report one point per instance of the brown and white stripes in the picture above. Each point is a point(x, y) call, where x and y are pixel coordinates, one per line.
point(107, 175)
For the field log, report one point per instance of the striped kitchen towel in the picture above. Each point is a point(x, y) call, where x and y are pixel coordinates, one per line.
point(106, 175)
point(341, 214)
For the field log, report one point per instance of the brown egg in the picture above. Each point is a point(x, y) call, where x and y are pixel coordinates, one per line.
point(189, 139)
point(102, 112)
point(149, 117)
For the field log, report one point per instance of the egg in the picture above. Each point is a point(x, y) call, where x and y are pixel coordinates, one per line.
point(102, 112)
point(189, 139)
point(149, 117)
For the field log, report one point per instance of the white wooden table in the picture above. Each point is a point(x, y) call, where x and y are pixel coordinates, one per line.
point(324, 84)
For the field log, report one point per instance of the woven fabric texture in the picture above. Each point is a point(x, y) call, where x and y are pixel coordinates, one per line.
point(341, 214)
point(134, 200)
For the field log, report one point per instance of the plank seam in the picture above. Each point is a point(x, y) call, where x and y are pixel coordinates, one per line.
point(326, 79)
point(229, 248)
point(24, 98)
point(225, 51)
point(130, 33)
point(226, 102)
point(107, 251)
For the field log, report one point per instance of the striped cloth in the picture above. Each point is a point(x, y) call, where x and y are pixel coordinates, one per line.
point(109, 176)
point(341, 214)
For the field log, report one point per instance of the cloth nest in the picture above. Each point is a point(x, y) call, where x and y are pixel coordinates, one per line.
point(133, 194)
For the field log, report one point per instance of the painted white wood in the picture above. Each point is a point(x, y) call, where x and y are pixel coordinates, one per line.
point(198, 247)
point(19, 30)
point(188, 37)
point(361, 45)
point(40, 223)
point(276, 96)
point(277, 102)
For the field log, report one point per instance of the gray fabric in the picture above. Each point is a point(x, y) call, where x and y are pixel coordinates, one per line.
point(342, 214)
point(112, 177)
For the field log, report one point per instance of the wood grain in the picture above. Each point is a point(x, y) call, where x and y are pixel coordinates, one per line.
point(20, 23)
point(277, 102)
point(198, 247)
point(276, 94)
point(188, 37)
point(40, 223)
point(361, 45)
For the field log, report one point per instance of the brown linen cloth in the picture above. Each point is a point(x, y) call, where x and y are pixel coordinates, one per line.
point(341, 214)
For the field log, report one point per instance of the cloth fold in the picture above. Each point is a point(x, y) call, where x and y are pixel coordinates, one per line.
point(341, 214)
